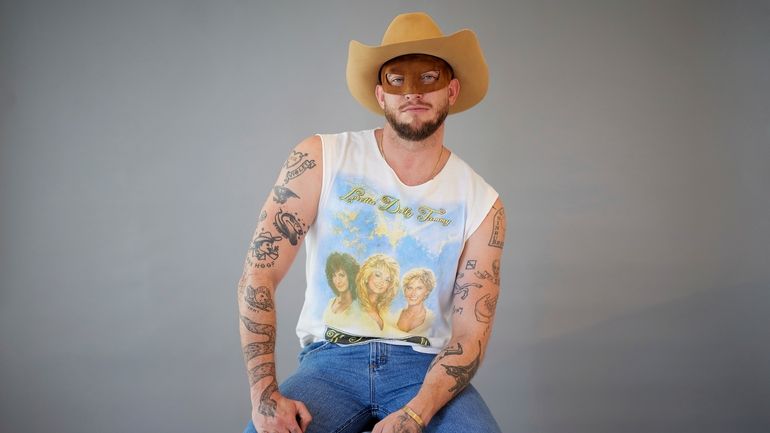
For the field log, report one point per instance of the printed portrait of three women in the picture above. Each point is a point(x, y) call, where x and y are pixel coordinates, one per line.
point(364, 295)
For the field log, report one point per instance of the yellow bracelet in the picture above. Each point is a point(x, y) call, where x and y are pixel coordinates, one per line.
point(414, 416)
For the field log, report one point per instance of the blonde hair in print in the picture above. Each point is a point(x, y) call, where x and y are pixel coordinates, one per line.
point(423, 274)
point(373, 263)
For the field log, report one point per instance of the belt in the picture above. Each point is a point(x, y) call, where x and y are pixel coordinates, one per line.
point(338, 337)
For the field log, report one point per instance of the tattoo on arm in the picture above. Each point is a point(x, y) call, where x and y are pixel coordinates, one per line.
point(498, 229)
point(261, 371)
point(485, 308)
point(405, 424)
point(463, 289)
point(494, 276)
point(252, 350)
point(258, 328)
point(448, 351)
point(262, 249)
point(281, 194)
point(296, 165)
point(291, 227)
point(470, 265)
point(463, 373)
point(258, 299)
point(266, 404)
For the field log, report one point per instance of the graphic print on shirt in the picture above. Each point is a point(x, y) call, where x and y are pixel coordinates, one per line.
point(382, 261)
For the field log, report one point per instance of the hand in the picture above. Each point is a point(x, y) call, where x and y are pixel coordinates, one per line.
point(397, 422)
point(278, 414)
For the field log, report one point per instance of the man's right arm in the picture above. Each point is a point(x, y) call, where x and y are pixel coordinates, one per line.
point(288, 212)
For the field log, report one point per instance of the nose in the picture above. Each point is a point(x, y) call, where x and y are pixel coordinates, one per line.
point(410, 96)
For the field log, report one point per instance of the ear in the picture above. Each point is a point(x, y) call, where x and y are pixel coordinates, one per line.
point(454, 90)
point(380, 95)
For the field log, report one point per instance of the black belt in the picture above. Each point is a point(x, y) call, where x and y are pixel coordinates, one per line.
point(338, 337)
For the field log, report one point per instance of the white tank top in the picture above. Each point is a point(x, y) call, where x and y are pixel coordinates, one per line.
point(395, 248)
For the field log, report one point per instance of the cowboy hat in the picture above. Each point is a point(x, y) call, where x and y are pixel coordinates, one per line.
point(417, 33)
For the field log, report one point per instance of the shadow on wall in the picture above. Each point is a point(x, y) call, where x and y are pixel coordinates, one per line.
point(696, 364)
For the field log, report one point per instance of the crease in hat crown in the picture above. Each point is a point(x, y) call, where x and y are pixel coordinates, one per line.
point(411, 27)
point(418, 33)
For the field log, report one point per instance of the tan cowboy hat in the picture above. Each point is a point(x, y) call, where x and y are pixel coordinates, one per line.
point(415, 33)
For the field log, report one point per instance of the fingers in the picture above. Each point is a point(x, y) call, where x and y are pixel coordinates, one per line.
point(294, 427)
point(303, 414)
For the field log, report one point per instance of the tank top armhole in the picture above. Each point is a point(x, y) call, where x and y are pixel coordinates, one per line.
point(480, 208)
point(328, 158)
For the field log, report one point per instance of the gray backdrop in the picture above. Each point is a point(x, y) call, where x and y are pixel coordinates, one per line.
point(630, 141)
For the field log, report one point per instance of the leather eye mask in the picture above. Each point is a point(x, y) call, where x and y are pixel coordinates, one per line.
point(414, 74)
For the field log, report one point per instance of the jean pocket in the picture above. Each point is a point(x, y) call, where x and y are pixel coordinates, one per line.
point(312, 348)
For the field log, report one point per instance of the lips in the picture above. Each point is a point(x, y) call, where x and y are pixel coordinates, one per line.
point(415, 107)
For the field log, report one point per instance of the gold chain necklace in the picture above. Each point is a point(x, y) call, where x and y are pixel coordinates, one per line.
point(435, 167)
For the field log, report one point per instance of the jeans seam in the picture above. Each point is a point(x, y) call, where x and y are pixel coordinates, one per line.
point(371, 377)
point(350, 421)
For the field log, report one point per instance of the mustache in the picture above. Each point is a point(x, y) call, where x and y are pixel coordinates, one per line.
point(415, 104)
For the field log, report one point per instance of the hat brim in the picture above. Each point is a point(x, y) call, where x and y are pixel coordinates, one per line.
point(461, 50)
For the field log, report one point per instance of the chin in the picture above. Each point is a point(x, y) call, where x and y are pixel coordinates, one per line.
point(416, 129)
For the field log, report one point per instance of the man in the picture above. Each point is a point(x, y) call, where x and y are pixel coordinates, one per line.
point(393, 198)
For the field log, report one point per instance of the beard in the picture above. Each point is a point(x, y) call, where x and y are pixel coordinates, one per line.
point(406, 131)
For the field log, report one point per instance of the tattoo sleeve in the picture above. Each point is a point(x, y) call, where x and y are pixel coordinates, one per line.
point(286, 216)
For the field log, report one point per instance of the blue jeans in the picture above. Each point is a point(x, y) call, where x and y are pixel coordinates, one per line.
point(347, 389)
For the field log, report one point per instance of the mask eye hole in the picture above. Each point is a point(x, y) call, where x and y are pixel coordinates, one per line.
point(429, 77)
point(395, 79)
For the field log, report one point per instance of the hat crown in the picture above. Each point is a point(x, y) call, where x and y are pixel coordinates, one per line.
point(414, 33)
point(411, 27)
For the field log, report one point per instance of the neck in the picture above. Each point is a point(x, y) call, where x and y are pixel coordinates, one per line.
point(373, 298)
point(417, 308)
point(415, 162)
point(346, 297)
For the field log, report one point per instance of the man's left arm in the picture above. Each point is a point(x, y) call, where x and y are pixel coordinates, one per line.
point(474, 300)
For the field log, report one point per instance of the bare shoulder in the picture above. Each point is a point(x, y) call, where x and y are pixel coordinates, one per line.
point(312, 145)
point(303, 165)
